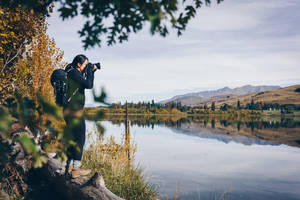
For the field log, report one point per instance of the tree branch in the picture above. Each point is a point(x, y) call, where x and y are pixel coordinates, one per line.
point(7, 61)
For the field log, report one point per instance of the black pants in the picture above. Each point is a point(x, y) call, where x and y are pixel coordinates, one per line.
point(75, 131)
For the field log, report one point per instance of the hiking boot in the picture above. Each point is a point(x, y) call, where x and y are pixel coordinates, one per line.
point(80, 172)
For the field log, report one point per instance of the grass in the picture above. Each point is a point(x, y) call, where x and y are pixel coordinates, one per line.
point(286, 95)
point(120, 174)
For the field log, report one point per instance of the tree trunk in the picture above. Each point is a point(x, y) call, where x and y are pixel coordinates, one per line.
point(78, 188)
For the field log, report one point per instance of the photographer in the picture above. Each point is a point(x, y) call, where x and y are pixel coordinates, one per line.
point(80, 77)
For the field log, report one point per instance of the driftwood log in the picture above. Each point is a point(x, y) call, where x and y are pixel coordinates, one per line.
point(50, 181)
point(78, 188)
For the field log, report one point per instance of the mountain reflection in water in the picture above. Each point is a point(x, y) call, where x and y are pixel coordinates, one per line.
point(262, 131)
point(226, 138)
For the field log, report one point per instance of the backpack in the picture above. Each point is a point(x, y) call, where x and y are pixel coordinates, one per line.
point(59, 80)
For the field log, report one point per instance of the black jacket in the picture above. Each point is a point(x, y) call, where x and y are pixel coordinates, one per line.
point(79, 81)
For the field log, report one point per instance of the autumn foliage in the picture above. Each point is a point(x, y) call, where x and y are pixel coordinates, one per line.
point(27, 54)
point(34, 69)
point(17, 29)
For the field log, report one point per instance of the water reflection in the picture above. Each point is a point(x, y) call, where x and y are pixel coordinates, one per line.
point(197, 157)
point(197, 167)
point(263, 131)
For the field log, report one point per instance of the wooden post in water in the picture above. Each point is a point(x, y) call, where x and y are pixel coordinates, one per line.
point(127, 134)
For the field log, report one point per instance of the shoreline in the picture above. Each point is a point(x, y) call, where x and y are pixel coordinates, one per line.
point(258, 113)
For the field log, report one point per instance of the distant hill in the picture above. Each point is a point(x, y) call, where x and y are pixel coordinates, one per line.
point(287, 95)
point(225, 93)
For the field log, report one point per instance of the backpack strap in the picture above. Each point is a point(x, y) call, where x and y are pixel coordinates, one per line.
point(70, 69)
point(73, 94)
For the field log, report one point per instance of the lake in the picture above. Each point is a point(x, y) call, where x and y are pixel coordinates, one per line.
point(215, 158)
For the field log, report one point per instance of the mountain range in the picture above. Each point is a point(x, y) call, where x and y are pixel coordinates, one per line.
point(204, 97)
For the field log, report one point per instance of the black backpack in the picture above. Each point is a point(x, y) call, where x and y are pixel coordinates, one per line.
point(59, 82)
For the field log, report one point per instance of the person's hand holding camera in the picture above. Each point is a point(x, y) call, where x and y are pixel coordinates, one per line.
point(93, 67)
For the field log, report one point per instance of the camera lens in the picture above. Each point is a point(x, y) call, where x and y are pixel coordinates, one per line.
point(98, 65)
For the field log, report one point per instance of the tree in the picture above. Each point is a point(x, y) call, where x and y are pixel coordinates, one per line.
point(39, 61)
point(184, 108)
point(152, 102)
point(213, 106)
point(238, 105)
point(127, 16)
point(224, 107)
point(252, 105)
point(18, 27)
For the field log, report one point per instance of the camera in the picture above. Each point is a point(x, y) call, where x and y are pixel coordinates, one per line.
point(98, 65)
point(92, 65)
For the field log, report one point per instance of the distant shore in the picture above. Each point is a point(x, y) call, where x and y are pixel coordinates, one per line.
point(237, 113)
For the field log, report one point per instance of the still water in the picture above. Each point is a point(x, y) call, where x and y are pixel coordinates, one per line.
point(216, 159)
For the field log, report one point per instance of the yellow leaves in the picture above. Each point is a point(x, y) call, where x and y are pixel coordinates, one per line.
point(17, 29)
point(16, 18)
point(41, 58)
point(31, 11)
point(3, 35)
point(17, 25)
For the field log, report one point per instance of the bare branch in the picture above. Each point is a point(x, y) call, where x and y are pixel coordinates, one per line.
point(10, 60)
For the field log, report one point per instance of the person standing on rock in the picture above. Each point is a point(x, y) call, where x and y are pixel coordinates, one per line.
point(80, 77)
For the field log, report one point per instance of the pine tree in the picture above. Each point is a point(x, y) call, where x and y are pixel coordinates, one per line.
point(213, 106)
point(238, 105)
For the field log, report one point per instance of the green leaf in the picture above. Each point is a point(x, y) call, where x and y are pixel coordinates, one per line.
point(49, 107)
point(101, 98)
point(5, 121)
point(30, 148)
point(100, 129)
point(39, 161)
point(28, 145)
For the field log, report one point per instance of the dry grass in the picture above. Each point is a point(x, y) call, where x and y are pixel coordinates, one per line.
point(115, 163)
point(285, 95)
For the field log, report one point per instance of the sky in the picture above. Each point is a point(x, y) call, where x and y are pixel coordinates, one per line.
point(232, 44)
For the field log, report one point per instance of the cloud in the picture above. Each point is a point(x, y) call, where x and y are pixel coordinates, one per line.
point(230, 44)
